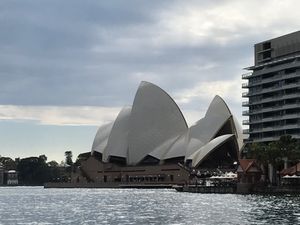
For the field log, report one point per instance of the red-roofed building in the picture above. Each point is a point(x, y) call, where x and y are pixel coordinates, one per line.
point(293, 170)
point(248, 173)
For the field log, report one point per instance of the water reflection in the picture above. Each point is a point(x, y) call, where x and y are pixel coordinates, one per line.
point(268, 209)
point(27, 205)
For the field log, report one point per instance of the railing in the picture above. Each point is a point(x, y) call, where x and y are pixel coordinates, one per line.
point(275, 98)
point(276, 108)
point(246, 75)
point(278, 61)
point(245, 103)
point(271, 128)
point(245, 94)
point(246, 131)
point(245, 113)
point(245, 122)
point(263, 139)
point(278, 77)
point(244, 85)
point(276, 88)
point(274, 118)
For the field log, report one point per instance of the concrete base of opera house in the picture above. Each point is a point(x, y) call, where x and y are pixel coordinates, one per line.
point(94, 173)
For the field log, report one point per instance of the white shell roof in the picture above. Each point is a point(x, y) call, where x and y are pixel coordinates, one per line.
point(198, 156)
point(101, 138)
point(155, 126)
point(117, 144)
point(178, 149)
point(193, 145)
point(164, 148)
point(206, 128)
point(216, 115)
point(238, 133)
point(155, 118)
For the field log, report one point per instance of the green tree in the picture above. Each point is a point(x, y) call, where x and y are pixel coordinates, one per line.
point(43, 158)
point(290, 148)
point(274, 153)
point(31, 171)
point(8, 163)
point(69, 156)
point(55, 174)
point(53, 163)
point(258, 151)
point(36, 170)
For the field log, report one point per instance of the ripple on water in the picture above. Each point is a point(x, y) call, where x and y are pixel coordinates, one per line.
point(35, 205)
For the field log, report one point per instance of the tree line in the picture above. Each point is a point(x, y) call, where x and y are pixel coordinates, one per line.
point(279, 154)
point(36, 170)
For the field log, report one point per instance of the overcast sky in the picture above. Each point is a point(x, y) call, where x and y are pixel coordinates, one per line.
point(67, 67)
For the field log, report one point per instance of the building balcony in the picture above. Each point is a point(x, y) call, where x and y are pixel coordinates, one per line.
point(255, 120)
point(245, 131)
point(275, 98)
point(245, 85)
point(246, 75)
point(245, 113)
point(277, 77)
point(290, 126)
point(278, 88)
point(245, 94)
point(265, 50)
point(246, 103)
point(272, 89)
point(273, 128)
point(275, 108)
point(271, 119)
point(278, 62)
point(264, 60)
point(265, 139)
point(275, 69)
point(246, 122)
point(275, 118)
point(254, 111)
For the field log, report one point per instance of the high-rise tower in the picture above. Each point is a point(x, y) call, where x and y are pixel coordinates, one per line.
point(273, 90)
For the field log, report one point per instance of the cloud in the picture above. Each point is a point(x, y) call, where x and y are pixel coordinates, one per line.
point(75, 63)
point(95, 53)
point(71, 115)
point(228, 22)
point(62, 116)
point(208, 89)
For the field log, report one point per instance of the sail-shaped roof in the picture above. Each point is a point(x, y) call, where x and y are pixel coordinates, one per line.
point(207, 128)
point(117, 144)
point(154, 126)
point(155, 118)
point(101, 138)
point(198, 156)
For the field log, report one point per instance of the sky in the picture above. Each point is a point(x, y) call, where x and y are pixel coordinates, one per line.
point(68, 67)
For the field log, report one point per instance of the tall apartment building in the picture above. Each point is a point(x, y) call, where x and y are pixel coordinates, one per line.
point(273, 90)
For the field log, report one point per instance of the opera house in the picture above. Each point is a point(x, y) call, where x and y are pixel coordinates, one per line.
point(151, 143)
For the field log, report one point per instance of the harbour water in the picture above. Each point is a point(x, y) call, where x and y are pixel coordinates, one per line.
point(36, 205)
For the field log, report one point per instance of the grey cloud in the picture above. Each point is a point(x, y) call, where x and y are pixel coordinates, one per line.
point(46, 50)
point(97, 52)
